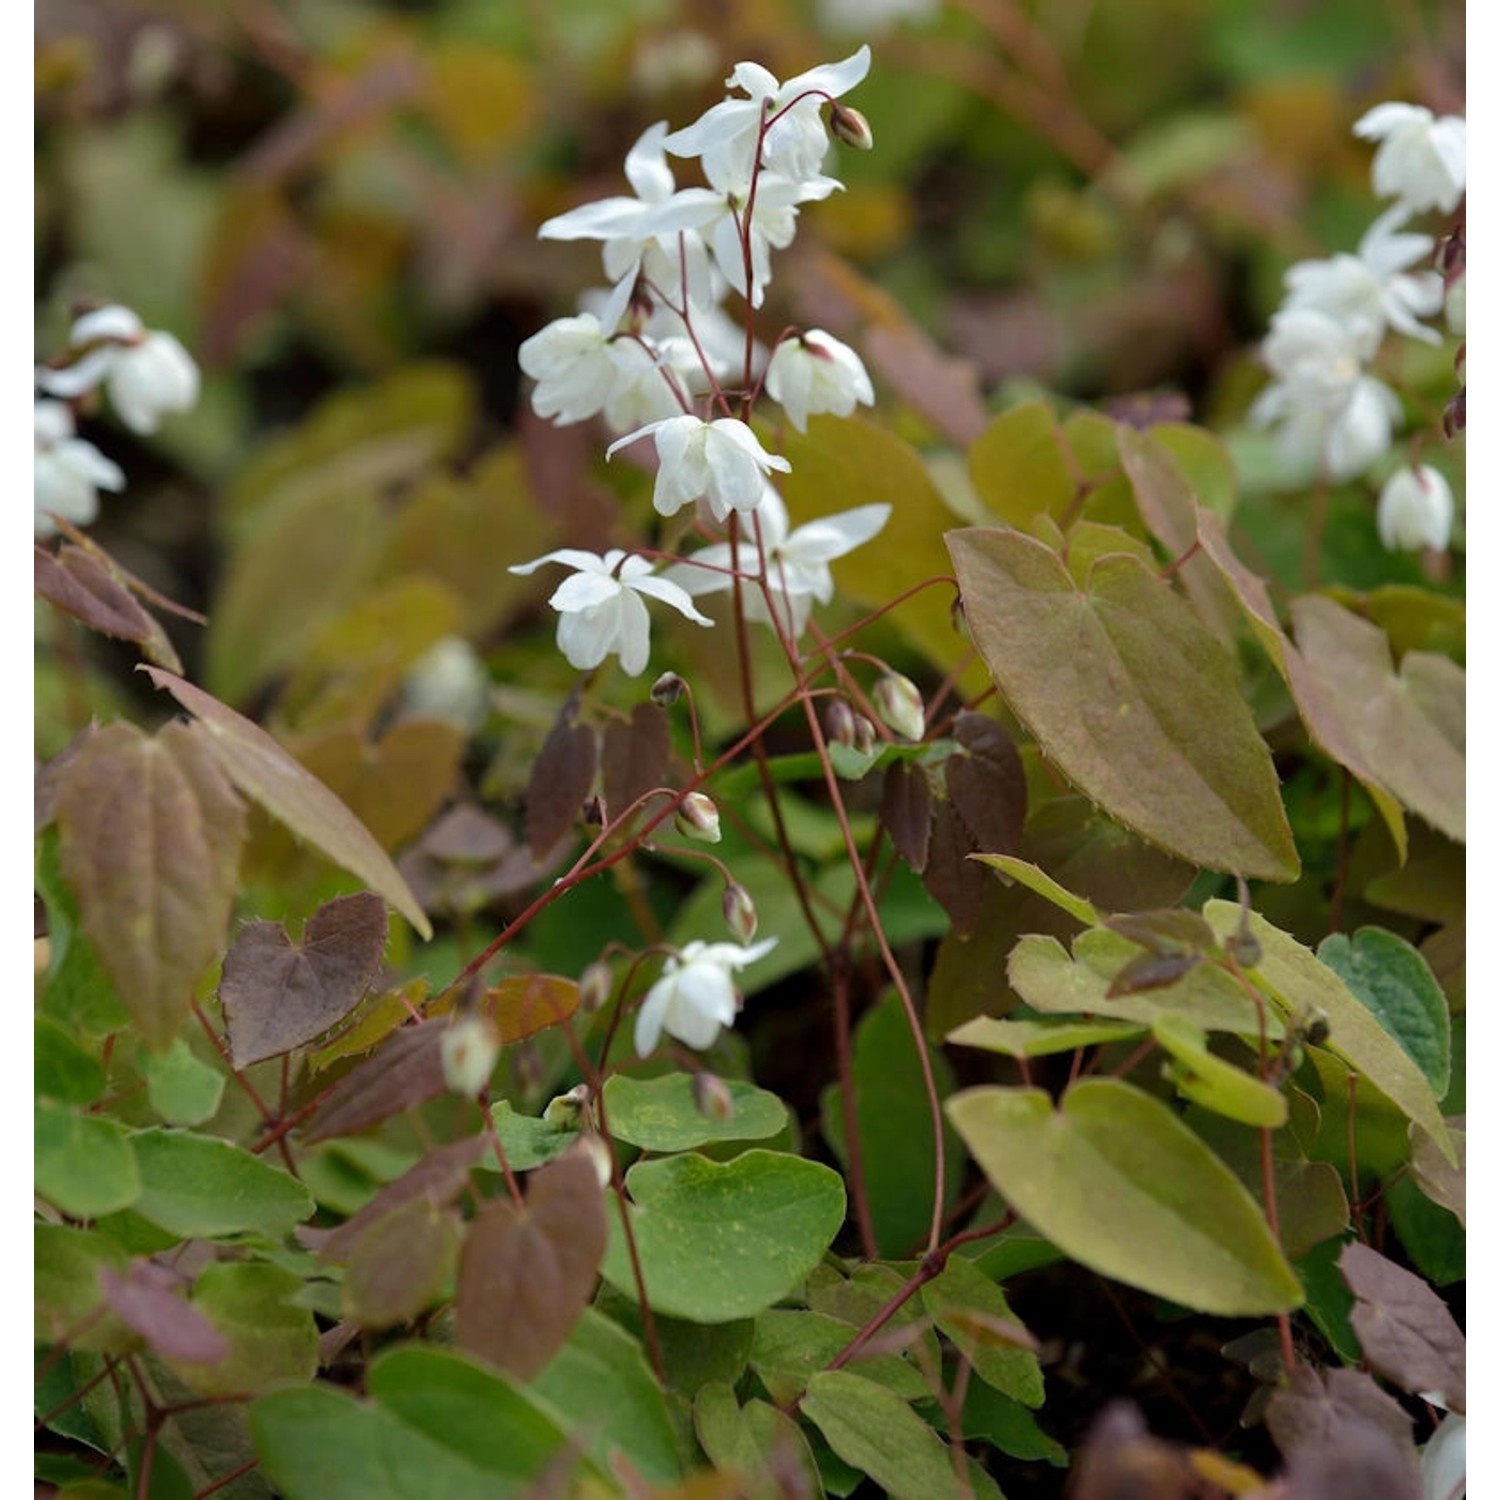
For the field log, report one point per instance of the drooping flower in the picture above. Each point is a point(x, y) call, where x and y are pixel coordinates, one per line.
point(695, 995)
point(1420, 159)
point(146, 374)
point(722, 461)
point(574, 371)
point(814, 372)
point(797, 561)
point(1331, 414)
point(1415, 510)
point(448, 681)
point(600, 608)
point(1376, 288)
point(69, 471)
point(796, 142)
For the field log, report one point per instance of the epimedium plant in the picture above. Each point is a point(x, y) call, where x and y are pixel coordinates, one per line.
point(332, 1204)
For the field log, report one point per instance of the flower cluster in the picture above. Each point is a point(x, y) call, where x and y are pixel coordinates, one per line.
point(658, 356)
point(145, 374)
point(1332, 415)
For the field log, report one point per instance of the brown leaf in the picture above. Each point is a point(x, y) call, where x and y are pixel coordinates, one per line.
point(466, 834)
point(1121, 1460)
point(953, 879)
point(146, 1299)
point(262, 770)
point(560, 780)
point(1172, 930)
point(906, 811)
point(83, 587)
point(401, 1264)
point(1151, 971)
point(278, 994)
point(987, 785)
point(150, 836)
point(438, 1178)
point(635, 756)
point(527, 1003)
point(1404, 1327)
point(525, 1275)
point(1335, 1411)
point(1440, 1181)
point(405, 1072)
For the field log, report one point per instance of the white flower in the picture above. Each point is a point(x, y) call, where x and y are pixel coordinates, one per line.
point(797, 561)
point(146, 374)
point(1420, 159)
point(816, 373)
point(722, 461)
point(448, 681)
point(1333, 416)
point(69, 471)
point(796, 142)
point(469, 1048)
point(1365, 292)
point(1445, 1460)
point(631, 245)
point(1415, 511)
point(601, 610)
point(570, 361)
point(695, 995)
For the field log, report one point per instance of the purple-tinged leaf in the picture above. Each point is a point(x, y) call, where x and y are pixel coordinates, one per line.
point(1172, 930)
point(635, 756)
point(262, 770)
point(438, 1178)
point(1151, 971)
point(83, 587)
point(150, 835)
point(525, 1275)
point(146, 1299)
point(278, 995)
point(560, 780)
point(1439, 1179)
point(986, 784)
point(1345, 1417)
point(906, 812)
point(405, 1072)
point(955, 881)
point(401, 1265)
point(1404, 1327)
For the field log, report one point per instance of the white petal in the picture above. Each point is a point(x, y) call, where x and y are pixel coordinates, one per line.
point(586, 637)
point(832, 78)
point(646, 165)
point(834, 536)
point(671, 593)
point(649, 1018)
point(588, 562)
point(633, 637)
point(80, 377)
point(579, 591)
point(113, 322)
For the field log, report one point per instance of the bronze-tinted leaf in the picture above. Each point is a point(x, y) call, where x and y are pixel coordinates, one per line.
point(261, 769)
point(906, 811)
point(953, 879)
point(1170, 931)
point(1130, 696)
point(150, 835)
point(1151, 971)
point(560, 780)
point(278, 994)
point(146, 1299)
point(527, 1003)
point(401, 1264)
point(1404, 1327)
point(1440, 1180)
point(82, 586)
point(407, 1071)
point(1344, 1412)
point(438, 1178)
point(526, 1274)
point(986, 784)
point(635, 756)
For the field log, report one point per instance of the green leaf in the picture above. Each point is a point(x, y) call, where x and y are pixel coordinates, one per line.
point(77, 992)
point(600, 1379)
point(150, 836)
point(792, 1345)
point(200, 1187)
point(265, 772)
point(725, 1241)
point(660, 1114)
point(1040, 1038)
point(1038, 880)
point(271, 1341)
point(1299, 983)
point(1130, 696)
point(1122, 1186)
point(756, 1443)
point(181, 1087)
point(1020, 468)
point(84, 1163)
point(1004, 1422)
point(401, 1264)
point(65, 1286)
point(1395, 983)
point(876, 1431)
point(953, 1299)
point(1209, 1080)
point(64, 1071)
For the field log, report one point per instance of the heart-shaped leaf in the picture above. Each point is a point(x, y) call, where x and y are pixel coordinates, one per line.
point(661, 1114)
point(278, 995)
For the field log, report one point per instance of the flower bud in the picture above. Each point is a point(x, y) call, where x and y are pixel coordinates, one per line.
point(850, 127)
point(864, 735)
point(593, 1147)
point(698, 818)
point(711, 1098)
point(572, 1110)
point(595, 985)
point(900, 704)
point(667, 689)
point(739, 912)
point(470, 1048)
point(1415, 510)
point(838, 722)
